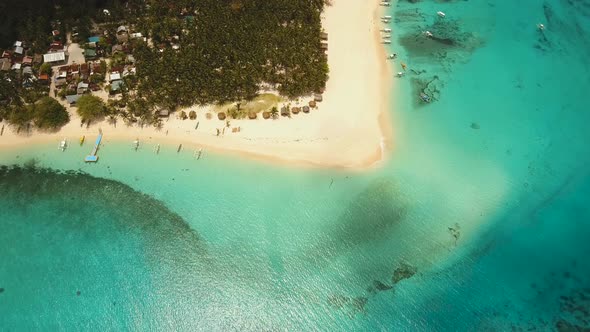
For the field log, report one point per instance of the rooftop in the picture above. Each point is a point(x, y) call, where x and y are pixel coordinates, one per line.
point(54, 57)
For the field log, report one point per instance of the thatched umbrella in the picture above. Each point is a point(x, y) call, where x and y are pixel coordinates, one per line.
point(305, 109)
point(251, 115)
point(208, 116)
point(295, 110)
point(312, 103)
point(192, 115)
point(182, 115)
point(284, 111)
point(266, 115)
point(221, 116)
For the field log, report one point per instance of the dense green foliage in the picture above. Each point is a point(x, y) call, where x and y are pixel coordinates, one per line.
point(91, 108)
point(48, 113)
point(229, 48)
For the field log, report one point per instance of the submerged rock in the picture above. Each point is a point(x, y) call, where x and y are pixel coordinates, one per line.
point(474, 125)
point(381, 286)
point(1, 290)
point(403, 271)
point(338, 301)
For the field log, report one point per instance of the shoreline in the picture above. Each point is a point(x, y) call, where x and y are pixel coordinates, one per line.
point(351, 129)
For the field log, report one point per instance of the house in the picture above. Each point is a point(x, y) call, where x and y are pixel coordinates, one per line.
point(28, 71)
point(55, 58)
point(72, 99)
point(18, 43)
point(60, 81)
point(27, 61)
point(56, 46)
point(82, 88)
point(19, 50)
point(94, 39)
point(16, 66)
point(116, 86)
point(84, 71)
point(44, 78)
point(114, 76)
point(323, 36)
point(55, 33)
point(122, 35)
point(89, 54)
point(6, 54)
point(4, 64)
point(136, 35)
point(116, 48)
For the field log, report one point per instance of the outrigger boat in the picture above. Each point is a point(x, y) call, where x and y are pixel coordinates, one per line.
point(136, 144)
point(158, 149)
point(63, 145)
point(441, 14)
point(82, 140)
point(199, 153)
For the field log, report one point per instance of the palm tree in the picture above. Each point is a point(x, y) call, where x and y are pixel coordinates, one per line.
point(274, 112)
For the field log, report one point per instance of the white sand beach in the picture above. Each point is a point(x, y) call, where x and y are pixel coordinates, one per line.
point(350, 128)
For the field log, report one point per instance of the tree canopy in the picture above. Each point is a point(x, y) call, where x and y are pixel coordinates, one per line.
point(90, 108)
point(48, 113)
point(228, 49)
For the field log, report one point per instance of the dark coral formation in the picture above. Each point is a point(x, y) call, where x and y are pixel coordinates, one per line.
point(378, 285)
point(403, 271)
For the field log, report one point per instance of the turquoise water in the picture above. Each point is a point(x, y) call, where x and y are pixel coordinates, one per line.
point(480, 220)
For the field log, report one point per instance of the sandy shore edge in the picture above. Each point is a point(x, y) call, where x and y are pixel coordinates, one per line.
point(350, 129)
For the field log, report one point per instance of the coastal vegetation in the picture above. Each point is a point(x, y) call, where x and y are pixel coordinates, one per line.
point(91, 108)
point(195, 52)
point(48, 114)
point(221, 52)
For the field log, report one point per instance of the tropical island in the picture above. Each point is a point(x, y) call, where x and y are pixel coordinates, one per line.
point(156, 66)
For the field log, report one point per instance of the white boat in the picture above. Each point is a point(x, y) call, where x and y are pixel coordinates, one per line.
point(541, 26)
point(441, 14)
point(428, 33)
point(63, 145)
point(386, 17)
point(385, 4)
point(386, 41)
point(386, 30)
point(136, 144)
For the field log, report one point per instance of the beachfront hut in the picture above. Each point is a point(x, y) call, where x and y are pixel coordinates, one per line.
point(192, 115)
point(182, 115)
point(324, 46)
point(312, 104)
point(305, 109)
point(318, 98)
point(323, 36)
point(221, 116)
point(251, 115)
point(284, 111)
point(266, 115)
point(295, 110)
